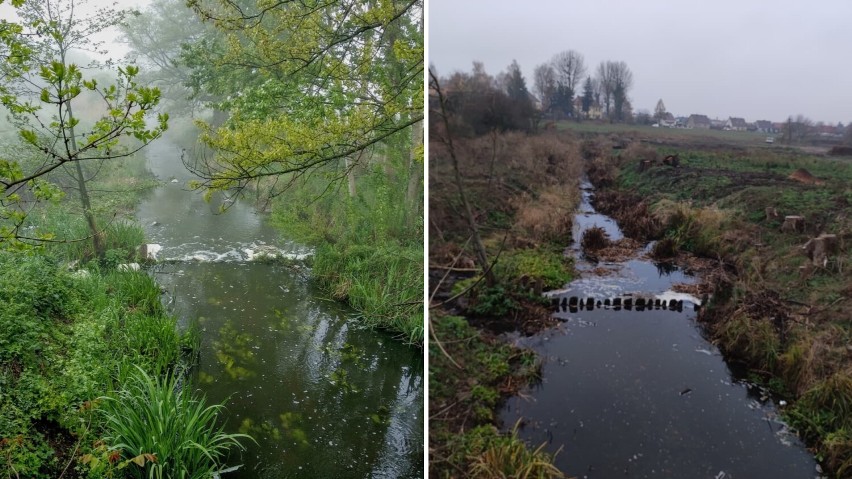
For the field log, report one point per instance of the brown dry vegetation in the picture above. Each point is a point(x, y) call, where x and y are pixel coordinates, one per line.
point(523, 191)
point(518, 183)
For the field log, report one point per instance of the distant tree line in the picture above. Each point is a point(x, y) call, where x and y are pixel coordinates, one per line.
point(480, 103)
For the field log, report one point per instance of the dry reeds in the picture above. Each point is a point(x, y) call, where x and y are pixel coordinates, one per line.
point(594, 239)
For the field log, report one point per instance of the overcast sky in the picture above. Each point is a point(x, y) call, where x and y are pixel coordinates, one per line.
point(756, 59)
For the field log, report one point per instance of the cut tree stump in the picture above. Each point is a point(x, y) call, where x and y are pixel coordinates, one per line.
point(819, 249)
point(793, 224)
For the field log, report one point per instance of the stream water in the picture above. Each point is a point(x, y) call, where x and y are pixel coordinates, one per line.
point(322, 396)
point(640, 393)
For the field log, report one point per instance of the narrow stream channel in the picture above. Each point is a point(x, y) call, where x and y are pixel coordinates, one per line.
point(640, 393)
point(322, 396)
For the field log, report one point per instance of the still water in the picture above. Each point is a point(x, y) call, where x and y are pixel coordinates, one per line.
point(642, 394)
point(322, 396)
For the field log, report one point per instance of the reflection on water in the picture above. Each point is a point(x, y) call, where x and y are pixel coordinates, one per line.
point(629, 393)
point(322, 396)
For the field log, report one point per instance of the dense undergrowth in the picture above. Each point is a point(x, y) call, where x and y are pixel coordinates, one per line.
point(77, 336)
point(776, 310)
point(523, 191)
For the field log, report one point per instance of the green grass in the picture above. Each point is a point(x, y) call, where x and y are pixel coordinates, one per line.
point(64, 341)
point(467, 386)
point(368, 248)
point(384, 282)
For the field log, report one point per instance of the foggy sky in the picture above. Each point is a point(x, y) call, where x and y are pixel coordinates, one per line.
point(759, 60)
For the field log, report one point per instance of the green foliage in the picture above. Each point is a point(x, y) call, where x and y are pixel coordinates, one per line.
point(49, 134)
point(63, 340)
point(173, 431)
point(466, 379)
point(504, 455)
point(547, 264)
point(280, 121)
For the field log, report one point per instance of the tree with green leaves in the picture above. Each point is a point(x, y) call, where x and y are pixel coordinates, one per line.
point(165, 38)
point(41, 99)
point(318, 84)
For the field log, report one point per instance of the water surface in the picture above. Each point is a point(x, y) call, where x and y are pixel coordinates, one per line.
point(629, 393)
point(322, 396)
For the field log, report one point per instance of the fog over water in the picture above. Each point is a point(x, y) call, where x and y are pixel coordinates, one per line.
point(757, 60)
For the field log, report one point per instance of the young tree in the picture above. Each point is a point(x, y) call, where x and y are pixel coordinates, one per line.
point(660, 110)
point(49, 129)
point(588, 96)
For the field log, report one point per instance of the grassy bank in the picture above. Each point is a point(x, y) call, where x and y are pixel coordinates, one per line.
point(523, 192)
point(783, 314)
point(79, 339)
point(368, 246)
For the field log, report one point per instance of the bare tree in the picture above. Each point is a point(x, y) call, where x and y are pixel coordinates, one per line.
point(615, 79)
point(544, 82)
point(605, 84)
point(569, 67)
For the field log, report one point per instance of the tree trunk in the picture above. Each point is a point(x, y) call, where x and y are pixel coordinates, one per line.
point(97, 242)
point(350, 177)
point(414, 197)
point(478, 247)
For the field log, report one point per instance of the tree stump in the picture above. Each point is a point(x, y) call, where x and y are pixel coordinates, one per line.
point(645, 165)
point(793, 224)
point(819, 249)
point(771, 213)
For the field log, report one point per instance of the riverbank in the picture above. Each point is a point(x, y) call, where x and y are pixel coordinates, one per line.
point(522, 191)
point(78, 332)
point(368, 247)
point(778, 307)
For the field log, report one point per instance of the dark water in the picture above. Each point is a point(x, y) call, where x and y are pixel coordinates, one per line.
point(642, 394)
point(322, 396)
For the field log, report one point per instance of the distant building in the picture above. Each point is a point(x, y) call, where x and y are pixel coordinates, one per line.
point(698, 121)
point(717, 124)
point(736, 124)
point(765, 126)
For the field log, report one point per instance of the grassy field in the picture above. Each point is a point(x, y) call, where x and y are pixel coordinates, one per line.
point(677, 135)
point(782, 314)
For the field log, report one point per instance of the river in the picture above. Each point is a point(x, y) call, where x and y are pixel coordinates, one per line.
point(640, 393)
point(321, 395)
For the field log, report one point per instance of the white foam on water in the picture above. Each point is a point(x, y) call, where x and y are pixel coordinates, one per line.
point(240, 253)
point(673, 296)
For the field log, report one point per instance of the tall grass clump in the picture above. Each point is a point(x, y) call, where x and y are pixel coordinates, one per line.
point(508, 456)
point(172, 433)
point(384, 282)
